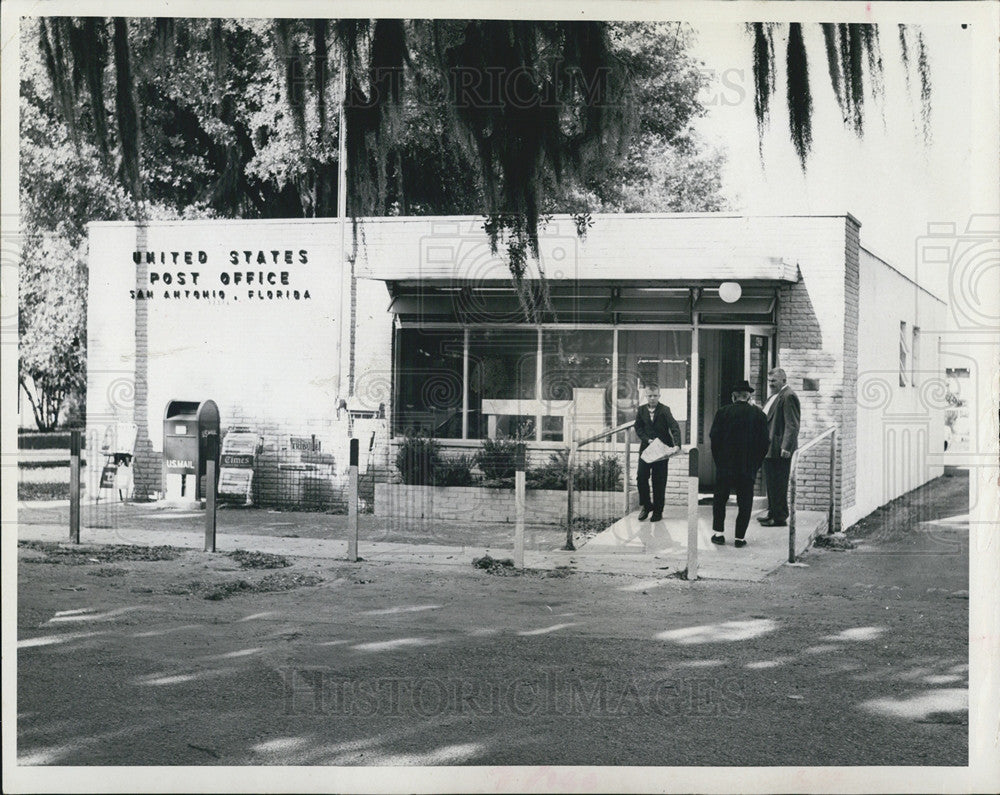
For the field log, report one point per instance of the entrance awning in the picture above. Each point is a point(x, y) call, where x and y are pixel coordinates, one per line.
point(586, 304)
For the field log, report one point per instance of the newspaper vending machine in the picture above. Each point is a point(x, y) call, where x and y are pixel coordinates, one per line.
point(240, 448)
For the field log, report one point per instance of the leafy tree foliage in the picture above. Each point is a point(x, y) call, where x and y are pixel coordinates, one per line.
point(149, 118)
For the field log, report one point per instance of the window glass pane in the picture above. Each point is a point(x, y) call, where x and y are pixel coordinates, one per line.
point(428, 383)
point(655, 357)
point(502, 372)
point(576, 379)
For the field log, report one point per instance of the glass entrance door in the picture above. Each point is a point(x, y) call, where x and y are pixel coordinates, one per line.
point(758, 355)
point(726, 356)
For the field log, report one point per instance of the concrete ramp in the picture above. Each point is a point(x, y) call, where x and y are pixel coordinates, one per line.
point(665, 542)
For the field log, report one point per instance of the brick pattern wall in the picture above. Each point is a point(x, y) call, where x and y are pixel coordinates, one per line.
point(147, 470)
point(286, 477)
point(817, 340)
point(848, 440)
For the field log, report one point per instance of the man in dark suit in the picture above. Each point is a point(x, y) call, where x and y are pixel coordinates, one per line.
point(654, 421)
point(739, 442)
point(783, 413)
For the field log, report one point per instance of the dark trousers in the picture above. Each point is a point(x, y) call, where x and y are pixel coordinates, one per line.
point(776, 472)
point(726, 482)
point(658, 472)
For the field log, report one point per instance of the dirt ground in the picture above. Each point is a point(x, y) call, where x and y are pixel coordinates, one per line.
point(155, 656)
point(479, 531)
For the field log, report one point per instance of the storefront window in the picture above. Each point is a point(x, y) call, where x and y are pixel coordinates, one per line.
point(576, 380)
point(502, 375)
point(428, 383)
point(506, 397)
point(654, 357)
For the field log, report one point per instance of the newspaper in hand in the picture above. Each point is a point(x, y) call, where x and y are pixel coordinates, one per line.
point(658, 451)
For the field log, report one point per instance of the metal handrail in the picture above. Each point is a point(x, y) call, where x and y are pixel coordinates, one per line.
point(793, 484)
point(575, 445)
point(605, 434)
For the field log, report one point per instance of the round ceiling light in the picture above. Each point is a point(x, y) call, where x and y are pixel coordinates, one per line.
point(730, 292)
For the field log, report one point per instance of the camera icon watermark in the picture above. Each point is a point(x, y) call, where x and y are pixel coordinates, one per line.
point(972, 261)
point(467, 276)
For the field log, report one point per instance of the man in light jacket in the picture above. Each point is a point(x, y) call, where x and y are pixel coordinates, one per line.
point(783, 413)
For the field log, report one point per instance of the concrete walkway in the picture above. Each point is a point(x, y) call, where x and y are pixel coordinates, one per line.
point(628, 547)
point(667, 540)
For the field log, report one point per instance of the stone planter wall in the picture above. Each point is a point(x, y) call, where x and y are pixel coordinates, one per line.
point(478, 504)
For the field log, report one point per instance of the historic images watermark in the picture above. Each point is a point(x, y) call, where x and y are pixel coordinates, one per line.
point(723, 87)
point(323, 692)
point(11, 243)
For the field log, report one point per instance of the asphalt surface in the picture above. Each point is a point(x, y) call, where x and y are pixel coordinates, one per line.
point(859, 657)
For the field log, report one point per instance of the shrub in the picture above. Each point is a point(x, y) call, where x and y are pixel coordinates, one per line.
point(417, 459)
point(601, 474)
point(41, 440)
point(497, 458)
point(551, 475)
point(455, 471)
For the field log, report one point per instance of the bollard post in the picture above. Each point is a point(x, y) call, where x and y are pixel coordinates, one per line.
point(352, 504)
point(626, 484)
point(692, 556)
point(570, 462)
point(791, 506)
point(211, 490)
point(74, 487)
point(833, 483)
point(519, 509)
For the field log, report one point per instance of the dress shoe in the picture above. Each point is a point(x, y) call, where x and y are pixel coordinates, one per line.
point(763, 517)
point(718, 538)
point(740, 542)
point(643, 514)
point(772, 523)
point(656, 517)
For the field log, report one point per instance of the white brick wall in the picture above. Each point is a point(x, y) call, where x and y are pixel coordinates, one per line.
point(900, 428)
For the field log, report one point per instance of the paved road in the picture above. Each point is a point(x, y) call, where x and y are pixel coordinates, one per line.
point(859, 658)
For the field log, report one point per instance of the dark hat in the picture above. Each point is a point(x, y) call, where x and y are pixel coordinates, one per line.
point(742, 386)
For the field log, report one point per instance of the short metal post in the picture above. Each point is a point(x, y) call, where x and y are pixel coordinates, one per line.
point(352, 504)
point(627, 477)
point(833, 482)
point(74, 487)
point(692, 556)
point(791, 506)
point(212, 489)
point(570, 459)
point(519, 516)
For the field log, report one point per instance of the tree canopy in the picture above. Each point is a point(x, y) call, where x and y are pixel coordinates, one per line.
point(510, 119)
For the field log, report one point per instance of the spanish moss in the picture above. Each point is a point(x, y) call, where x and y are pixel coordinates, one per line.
point(799, 98)
point(830, 39)
point(763, 71)
point(129, 134)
